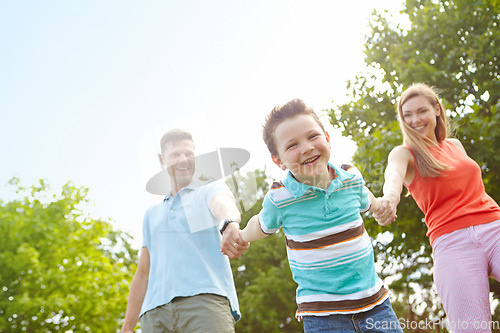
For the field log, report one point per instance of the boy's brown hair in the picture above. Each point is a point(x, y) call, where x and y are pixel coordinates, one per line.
point(279, 114)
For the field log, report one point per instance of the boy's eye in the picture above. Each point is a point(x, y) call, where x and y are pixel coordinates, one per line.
point(291, 146)
point(313, 136)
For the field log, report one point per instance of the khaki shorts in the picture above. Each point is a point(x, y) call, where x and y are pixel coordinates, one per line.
point(203, 313)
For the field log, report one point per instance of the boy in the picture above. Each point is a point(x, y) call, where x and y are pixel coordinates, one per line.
point(318, 206)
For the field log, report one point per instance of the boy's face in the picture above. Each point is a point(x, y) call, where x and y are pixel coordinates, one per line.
point(179, 159)
point(303, 148)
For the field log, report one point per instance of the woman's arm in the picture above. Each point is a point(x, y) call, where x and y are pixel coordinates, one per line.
point(395, 175)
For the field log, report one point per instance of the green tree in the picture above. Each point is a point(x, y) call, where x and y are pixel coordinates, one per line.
point(453, 45)
point(60, 270)
point(263, 279)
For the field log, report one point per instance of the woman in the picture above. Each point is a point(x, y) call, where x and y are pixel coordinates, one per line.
point(463, 221)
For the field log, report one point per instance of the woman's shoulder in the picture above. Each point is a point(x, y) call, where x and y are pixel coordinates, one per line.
point(456, 143)
point(401, 154)
point(401, 151)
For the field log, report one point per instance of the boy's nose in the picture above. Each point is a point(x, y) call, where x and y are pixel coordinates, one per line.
point(307, 147)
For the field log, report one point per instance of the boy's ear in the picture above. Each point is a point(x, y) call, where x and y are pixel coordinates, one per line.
point(278, 162)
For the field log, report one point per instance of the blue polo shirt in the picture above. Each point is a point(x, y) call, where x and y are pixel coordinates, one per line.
point(184, 244)
point(329, 252)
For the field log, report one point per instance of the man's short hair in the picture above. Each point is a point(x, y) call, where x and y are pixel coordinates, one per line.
point(279, 114)
point(174, 135)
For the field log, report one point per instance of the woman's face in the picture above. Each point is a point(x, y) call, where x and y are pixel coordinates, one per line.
point(419, 114)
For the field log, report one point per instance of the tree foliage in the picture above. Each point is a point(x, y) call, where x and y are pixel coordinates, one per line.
point(60, 270)
point(453, 45)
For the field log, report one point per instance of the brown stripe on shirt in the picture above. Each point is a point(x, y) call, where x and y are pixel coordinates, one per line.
point(342, 306)
point(328, 240)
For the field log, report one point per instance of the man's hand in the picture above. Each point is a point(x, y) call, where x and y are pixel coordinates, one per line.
point(232, 244)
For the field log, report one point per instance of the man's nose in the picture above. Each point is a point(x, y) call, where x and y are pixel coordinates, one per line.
point(182, 158)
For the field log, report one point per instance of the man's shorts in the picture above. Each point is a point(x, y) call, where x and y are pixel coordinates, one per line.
point(207, 313)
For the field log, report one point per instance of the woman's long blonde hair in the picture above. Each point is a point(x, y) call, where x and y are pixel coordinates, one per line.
point(428, 165)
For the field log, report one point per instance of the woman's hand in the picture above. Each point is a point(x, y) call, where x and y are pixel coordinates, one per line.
point(386, 214)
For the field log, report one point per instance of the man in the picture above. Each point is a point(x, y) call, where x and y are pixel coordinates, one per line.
point(183, 282)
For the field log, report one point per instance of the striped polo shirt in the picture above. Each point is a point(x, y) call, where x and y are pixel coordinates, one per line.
point(329, 252)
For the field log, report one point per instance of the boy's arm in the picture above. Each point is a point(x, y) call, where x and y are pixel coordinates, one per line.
point(375, 203)
point(252, 231)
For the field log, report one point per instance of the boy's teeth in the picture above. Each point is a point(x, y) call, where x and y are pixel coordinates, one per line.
point(310, 160)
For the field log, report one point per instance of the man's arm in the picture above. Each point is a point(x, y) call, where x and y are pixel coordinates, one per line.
point(223, 206)
point(138, 288)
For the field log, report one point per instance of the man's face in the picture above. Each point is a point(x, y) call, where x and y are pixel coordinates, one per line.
point(179, 159)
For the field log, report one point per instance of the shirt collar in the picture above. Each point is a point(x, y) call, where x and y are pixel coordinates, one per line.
point(191, 187)
point(298, 189)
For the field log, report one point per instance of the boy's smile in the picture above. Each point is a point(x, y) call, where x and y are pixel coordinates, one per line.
point(303, 148)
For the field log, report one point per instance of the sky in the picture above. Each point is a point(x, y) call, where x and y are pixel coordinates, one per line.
point(87, 88)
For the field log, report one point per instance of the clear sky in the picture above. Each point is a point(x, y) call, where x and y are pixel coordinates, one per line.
point(88, 87)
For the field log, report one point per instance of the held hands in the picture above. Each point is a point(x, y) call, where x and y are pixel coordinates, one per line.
point(386, 213)
point(232, 244)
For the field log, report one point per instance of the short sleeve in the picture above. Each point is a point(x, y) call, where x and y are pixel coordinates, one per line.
point(269, 217)
point(363, 192)
point(364, 200)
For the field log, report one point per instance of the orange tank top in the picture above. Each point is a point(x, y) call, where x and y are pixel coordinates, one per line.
point(456, 199)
